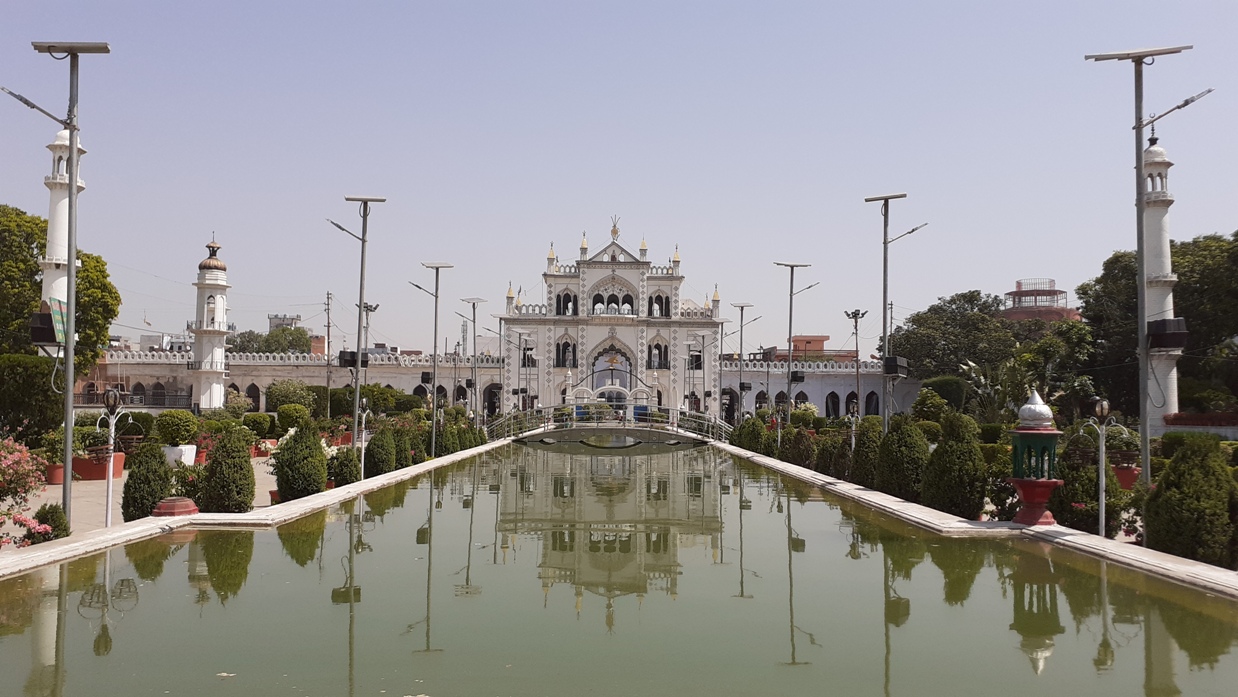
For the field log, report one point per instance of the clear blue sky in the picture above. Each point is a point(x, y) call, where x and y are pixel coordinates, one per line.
point(746, 133)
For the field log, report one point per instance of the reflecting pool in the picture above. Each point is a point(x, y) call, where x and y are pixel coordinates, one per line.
point(570, 570)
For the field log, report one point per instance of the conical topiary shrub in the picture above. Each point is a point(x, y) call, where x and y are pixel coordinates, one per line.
point(300, 466)
point(867, 449)
point(380, 453)
point(954, 480)
point(228, 482)
point(1191, 511)
point(901, 460)
point(227, 554)
point(403, 446)
point(344, 467)
point(149, 482)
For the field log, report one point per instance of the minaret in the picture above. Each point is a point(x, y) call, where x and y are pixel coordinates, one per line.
point(1163, 355)
point(584, 247)
point(211, 329)
point(54, 263)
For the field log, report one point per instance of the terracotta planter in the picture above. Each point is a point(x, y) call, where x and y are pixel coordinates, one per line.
point(345, 439)
point(274, 496)
point(1127, 476)
point(88, 469)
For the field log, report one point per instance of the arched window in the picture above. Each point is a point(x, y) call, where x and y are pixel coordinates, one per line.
point(254, 394)
point(801, 397)
point(462, 394)
point(872, 404)
point(137, 393)
point(158, 395)
point(209, 318)
point(625, 307)
point(832, 406)
point(421, 391)
point(761, 400)
point(599, 304)
point(852, 400)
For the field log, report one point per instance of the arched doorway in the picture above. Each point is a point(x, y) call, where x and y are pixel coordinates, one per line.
point(730, 405)
point(872, 404)
point(255, 397)
point(490, 398)
point(832, 406)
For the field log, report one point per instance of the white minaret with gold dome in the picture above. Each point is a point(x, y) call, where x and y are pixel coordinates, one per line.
point(211, 329)
point(1160, 281)
point(55, 262)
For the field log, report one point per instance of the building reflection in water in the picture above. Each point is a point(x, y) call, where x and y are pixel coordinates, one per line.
point(1036, 615)
point(610, 525)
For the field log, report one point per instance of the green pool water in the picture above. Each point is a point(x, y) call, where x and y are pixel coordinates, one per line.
point(593, 572)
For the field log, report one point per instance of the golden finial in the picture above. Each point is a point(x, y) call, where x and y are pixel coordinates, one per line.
point(614, 227)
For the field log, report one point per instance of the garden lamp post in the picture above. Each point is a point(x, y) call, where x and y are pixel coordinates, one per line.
point(1101, 422)
point(111, 402)
point(73, 50)
point(792, 292)
point(438, 266)
point(741, 306)
point(365, 411)
point(365, 202)
point(855, 316)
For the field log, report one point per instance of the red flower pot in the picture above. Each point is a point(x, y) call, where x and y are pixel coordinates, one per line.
point(1127, 476)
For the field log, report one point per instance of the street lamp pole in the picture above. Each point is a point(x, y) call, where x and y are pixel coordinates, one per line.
point(438, 266)
point(365, 202)
point(885, 296)
point(476, 405)
point(791, 293)
point(1138, 58)
point(741, 307)
point(72, 49)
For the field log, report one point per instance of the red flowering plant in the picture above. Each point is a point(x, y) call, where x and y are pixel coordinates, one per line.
point(21, 475)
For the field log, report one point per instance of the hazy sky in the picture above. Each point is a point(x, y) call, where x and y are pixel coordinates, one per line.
point(745, 133)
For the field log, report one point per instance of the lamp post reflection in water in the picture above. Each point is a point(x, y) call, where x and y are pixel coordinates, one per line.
point(794, 544)
point(428, 540)
point(744, 504)
point(350, 592)
point(468, 589)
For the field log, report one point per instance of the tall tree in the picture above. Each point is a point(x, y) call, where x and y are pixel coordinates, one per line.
point(965, 326)
point(1108, 304)
point(23, 239)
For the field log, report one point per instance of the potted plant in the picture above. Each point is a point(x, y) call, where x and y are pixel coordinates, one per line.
point(1122, 451)
point(177, 429)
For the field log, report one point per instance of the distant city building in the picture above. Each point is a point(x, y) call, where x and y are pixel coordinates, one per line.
point(276, 321)
point(1038, 298)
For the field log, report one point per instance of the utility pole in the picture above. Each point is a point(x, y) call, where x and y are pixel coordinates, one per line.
point(328, 355)
point(855, 316)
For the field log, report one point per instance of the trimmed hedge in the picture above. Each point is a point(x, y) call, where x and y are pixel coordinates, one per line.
point(901, 459)
point(228, 482)
point(176, 427)
point(867, 449)
point(300, 465)
point(293, 416)
point(345, 466)
point(259, 424)
point(931, 430)
point(798, 447)
point(954, 480)
point(952, 388)
point(149, 482)
point(380, 453)
point(301, 538)
point(1076, 504)
point(834, 453)
point(1192, 510)
point(51, 514)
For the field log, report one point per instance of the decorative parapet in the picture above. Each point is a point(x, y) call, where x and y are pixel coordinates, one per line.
point(152, 357)
point(702, 313)
point(212, 325)
point(566, 269)
point(278, 359)
point(531, 309)
point(662, 271)
point(806, 366)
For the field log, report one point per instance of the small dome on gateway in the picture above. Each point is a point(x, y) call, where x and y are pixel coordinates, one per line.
point(551, 253)
point(676, 257)
point(584, 241)
point(1154, 152)
point(510, 293)
point(213, 261)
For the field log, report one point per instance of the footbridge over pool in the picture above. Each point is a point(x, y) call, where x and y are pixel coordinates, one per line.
point(590, 425)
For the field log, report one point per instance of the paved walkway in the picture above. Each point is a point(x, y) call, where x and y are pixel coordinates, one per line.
point(89, 497)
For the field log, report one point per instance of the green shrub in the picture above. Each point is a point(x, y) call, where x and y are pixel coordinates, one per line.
point(930, 429)
point(344, 467)
point(258, 424)
point(867, 449)
point(954, 480)
point(1171, 442)
point(83, 437)
point(89, 417)
point(991, 433)
point(1076, 505)
point(176, 427)
point(802, 418)
point(187, 481)
point(136, 423)
point(901, 459)
point(998, 468)
point(228, 482)
point(929, 406)
point(403, 446)
point(834, 453)
point(300, 466)
point(748, 434)
point(50, 514)
point(293, 416)
point(20, 402)
point(798, 447)
point(283, 392)
point(302, 537)
point(952, 388)
point(1191, 511)
point(149, 482)
point(451, 440)
point(380, 453)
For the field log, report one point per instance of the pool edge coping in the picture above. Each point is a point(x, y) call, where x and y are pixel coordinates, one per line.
point(1197, 575)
